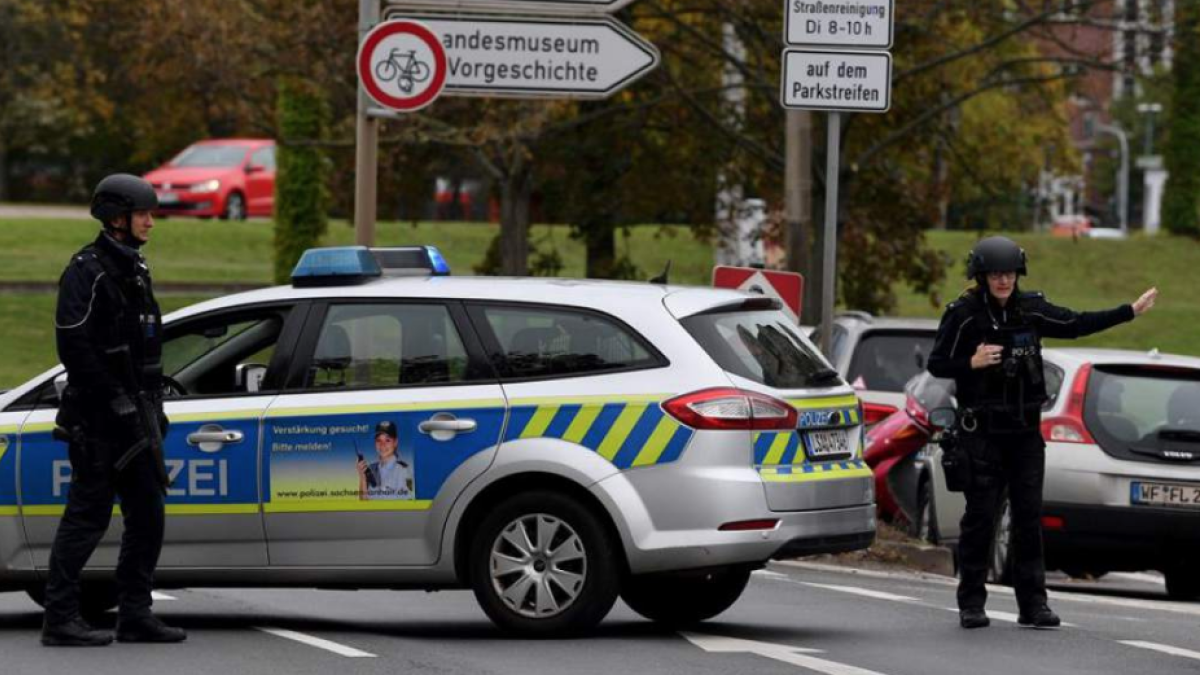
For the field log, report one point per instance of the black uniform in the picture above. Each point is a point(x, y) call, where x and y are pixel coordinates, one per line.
point(1000, 413)
point(108, 330)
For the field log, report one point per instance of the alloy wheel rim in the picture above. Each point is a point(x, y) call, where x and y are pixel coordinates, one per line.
point(1001, 546)
point(236, 208)
point(538, 566)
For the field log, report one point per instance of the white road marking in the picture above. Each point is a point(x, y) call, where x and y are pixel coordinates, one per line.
point(319, 643)
point(796, 656)
point(155, 595)
point(865, 592)
point(1165, 649)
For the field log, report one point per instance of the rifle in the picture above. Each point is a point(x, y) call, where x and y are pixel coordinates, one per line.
point(145, 432)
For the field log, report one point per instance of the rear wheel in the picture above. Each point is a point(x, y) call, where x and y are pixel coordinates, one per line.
point(1000, 569)
point(543, 565)
point(1183, 583)
point(96, 597)
point(685, 599)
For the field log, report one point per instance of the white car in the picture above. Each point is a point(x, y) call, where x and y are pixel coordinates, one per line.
point(1122, 488)
point(549, 444)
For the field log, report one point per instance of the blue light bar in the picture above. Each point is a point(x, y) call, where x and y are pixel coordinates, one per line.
point(411, 261)
point(336, 266)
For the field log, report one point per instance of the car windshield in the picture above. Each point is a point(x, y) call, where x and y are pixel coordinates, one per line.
point(1140, 407)
point(763, 346)
point(210, 155)
point(885, 361)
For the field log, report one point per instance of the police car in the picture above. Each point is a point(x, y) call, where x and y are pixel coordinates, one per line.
point(550, 444)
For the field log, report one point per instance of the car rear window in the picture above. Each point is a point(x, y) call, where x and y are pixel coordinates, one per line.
point(1137, 411)
point(763, 346)
point(886, 361)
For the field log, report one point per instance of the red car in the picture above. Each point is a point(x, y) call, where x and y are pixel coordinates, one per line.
point(230, 178)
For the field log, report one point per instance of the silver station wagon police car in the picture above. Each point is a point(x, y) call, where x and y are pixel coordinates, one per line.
point(550, 444)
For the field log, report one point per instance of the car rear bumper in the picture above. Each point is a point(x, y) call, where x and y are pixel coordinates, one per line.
point(1116, 538)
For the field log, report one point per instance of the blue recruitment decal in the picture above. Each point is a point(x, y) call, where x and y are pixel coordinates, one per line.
point(353, 457)
point(221, 478)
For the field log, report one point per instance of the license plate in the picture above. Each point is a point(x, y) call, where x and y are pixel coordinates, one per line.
point(168, 198)
point(821, 444)
point(1165, 494)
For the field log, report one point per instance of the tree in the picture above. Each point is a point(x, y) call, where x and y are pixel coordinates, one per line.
point(1181, 201)
point(301, 193)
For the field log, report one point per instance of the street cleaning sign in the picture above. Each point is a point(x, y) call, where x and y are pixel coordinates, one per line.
point(539, 57)
point(853, 24)
point(837, 80)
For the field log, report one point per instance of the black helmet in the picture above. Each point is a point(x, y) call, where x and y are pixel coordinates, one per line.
point(120, 195)
point(387, 428)
point(995, 254)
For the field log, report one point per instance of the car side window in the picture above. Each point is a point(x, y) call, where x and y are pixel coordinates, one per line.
point(264, 158)
point(223, 355)
point(555, 342)
point(387, 345)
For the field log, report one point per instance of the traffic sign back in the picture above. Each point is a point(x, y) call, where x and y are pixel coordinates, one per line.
point(787, 287)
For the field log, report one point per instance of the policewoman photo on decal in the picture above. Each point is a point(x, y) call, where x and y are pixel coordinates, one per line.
point(390, 477)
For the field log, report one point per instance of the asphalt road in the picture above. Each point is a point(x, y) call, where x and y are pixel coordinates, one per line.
point(793, 619)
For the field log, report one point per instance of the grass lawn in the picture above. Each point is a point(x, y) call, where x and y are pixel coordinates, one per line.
point(1081, 275)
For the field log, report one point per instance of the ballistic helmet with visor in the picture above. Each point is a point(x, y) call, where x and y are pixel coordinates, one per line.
point(995, 254)
point(120, 195)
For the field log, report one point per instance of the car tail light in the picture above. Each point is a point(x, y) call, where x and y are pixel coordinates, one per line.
point(873, 413)
point(1053, 523)
point(1069, 427)
point(729, 408)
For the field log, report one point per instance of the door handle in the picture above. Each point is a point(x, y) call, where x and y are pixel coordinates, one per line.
point(198, 437)
point(212, 438)
point(445, 426)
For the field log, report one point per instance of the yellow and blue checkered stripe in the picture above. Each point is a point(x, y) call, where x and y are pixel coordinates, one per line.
point(780, 456)
point(628, 432)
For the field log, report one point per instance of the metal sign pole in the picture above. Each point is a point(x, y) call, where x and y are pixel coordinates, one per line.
point(366, 148)
point(833, 151)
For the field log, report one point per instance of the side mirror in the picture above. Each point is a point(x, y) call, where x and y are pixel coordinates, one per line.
point(255, 168)
point(943, 418)
point(248, 377)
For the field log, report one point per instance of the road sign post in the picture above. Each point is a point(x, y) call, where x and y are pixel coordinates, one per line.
point(849, 71)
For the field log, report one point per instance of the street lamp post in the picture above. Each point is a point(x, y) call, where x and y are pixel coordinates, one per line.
point(1149, 110)
point(1122, 174)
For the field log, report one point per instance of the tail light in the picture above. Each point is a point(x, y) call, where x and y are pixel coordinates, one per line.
point(1069, 427)
point(873, 413)
point(727, 408)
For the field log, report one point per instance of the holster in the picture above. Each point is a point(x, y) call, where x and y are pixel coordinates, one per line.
point(956, 463)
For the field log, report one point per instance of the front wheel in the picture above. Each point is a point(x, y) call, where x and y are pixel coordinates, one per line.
point(543, 565)
point(685, 599)
point(235, 207)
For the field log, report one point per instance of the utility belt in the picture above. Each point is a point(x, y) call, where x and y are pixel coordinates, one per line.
point(1000, 418)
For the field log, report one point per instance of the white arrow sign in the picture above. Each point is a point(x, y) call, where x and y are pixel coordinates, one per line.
point(572, 7)
point(797, 656)
point(532, 57)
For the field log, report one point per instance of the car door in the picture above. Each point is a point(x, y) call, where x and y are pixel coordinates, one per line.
point(222, 368)
point(390, 414)
point(12, 535)
point(260, 182)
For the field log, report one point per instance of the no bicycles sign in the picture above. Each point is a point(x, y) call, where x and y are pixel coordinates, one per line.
point(402, 65)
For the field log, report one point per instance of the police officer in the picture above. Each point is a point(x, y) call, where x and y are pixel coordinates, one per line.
point(989, 342)
point(108, 331)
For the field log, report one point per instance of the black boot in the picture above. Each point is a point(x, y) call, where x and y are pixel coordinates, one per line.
point(74, 633)
point(973, 618)
point(147, 628)
point(1041, 617)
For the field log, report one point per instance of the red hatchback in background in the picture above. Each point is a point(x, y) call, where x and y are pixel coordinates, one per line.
point(230, 178)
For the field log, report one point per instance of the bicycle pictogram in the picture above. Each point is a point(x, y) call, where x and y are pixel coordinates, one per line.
point(404, 67)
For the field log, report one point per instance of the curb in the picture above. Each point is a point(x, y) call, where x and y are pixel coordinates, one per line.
point(926, 558)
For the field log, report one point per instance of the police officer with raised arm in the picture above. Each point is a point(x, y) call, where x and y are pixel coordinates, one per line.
point(989, 342)
point(109, 336)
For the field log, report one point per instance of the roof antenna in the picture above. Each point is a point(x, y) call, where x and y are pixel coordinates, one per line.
point(662, 278)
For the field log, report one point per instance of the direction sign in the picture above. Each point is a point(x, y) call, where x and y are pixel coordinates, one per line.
point(402, 65)
point(787, 287)
point(532, 57)
point(571, 7)
point(857, 24)
point(840, 81)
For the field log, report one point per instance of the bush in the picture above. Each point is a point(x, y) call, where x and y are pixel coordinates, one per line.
point(301, 197)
